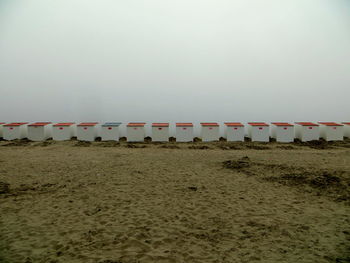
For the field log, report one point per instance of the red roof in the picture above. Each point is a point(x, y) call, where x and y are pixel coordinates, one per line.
point(330, 123)
point(209, 124)
point(307, 124)
point(88, 124)
point(160, 124)
point(136, 124)
point(236, 124)
point(346, 123)
point(282, 124)
point(15, 124)
point(2, 123)
point(184, 124)
point(64, 124)
point(39, 123)
point(258, 124)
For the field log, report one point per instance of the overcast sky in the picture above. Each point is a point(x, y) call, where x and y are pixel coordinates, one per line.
point(174, 60)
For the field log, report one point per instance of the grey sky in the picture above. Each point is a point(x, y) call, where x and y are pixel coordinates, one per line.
point(166, 60)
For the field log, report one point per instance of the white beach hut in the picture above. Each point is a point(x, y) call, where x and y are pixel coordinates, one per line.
point(258, 131)
point(346, 129)
point(209, 131)
point(15, 130)
point(64, 131)
point(307, 131)
point(1, 129)
point(234, 132)
point(39, 131)
point(135, 132)
point(87, 131)
point(282, 131)
point(110, 131)
point(331, 131)
point(184, 132)
point(160, 132)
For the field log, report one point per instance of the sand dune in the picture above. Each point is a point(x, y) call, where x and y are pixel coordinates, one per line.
point(213, 202)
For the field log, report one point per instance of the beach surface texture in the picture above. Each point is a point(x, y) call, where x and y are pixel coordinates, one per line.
point(109, 202)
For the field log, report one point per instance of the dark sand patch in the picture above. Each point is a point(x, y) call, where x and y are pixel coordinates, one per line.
point(82, 144)
point(4, 188)
point(135, 146)
point(257, 147)
point(199, 147)
point(108, 144)
point(23, 142)
point(331, 183)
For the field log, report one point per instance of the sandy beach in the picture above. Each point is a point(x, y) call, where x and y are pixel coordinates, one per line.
point(109, 202)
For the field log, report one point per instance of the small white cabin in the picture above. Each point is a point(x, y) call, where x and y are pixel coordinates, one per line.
point(307, 131)
point(282, 131)
point(258, 132)
point(234, 132)
point(209, 131)
point(64, 131)
point(346, 129)
point(88, 131)
point(1, 128)
point(15, 130)
point(160, 132)
point(331, 131)
point(184, 132)
point(39, 131)
point(135, 132)
point(110, 131)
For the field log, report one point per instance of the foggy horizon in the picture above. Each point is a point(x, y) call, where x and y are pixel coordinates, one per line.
point(184, 61)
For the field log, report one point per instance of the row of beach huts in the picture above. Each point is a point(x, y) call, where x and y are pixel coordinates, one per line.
point(135, 131)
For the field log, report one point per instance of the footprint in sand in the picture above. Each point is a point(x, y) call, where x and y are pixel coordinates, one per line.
point(133, 245)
